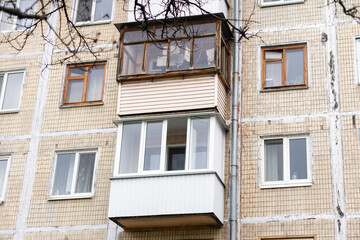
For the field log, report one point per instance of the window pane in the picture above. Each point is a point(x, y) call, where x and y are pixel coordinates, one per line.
point(156, 57)
point(179, 55)
point(74, 92)
point(274, 160)
point(85, 173)
point(273, 74)
point(199, 143)
point(95, 83)
point(103, 10)
point(84, 10)
point(176, 143)
point(3, 164)
point(295, 66)
point(298, 159)
point(63, 174)
point(153, 146)
point(200, 29)
point(132, 59)
point(169, 32)
point(273, 54)
point(26, 6)
point(77, 72)
point(130, 145)
point(134, 36)
point(204, 52)
point(12, 91)
point(1, 83)
point(7, 20)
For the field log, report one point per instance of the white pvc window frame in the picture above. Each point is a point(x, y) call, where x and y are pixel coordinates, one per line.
point(357, 59)
point(3, 87)
point(163, 151)
point(286, 182)
point(74, 195)
point(279, 2)
point(93, 8)
point(14, 24)
point(7, 158)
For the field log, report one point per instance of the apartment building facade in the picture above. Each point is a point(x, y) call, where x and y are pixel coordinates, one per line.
point(137, 144)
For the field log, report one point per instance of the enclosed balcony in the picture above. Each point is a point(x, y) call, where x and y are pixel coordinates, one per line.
point(169, 172)
point(174, 69)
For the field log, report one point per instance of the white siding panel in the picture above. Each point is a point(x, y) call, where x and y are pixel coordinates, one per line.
point(222, 98)
point(167, 95)
point(167, 195)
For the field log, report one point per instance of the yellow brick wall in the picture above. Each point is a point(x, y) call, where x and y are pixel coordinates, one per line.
point(9, 208)
point(77, 211)
point(314, 199)
point(289, 102)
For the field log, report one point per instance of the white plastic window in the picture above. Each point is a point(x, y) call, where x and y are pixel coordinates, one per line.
point(179, 143)
point(4, 172)
point(285, 161)
point(11, 84)
point(11, 23)
point(91, 11)
point(74, 174)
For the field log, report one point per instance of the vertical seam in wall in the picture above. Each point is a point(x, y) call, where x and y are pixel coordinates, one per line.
point(334, 121)
point(38, 115)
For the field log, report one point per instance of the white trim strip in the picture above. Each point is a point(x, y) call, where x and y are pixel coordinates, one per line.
point(285, 218)
point(79, 132)
point(66, 228)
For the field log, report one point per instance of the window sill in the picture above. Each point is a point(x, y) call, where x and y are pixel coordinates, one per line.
point(69, 197)
point(9, 111)
point(81, 105)
point(263, 5)
point(283, 89)
point(298, 183)
point(81, 24)
point(165, 174)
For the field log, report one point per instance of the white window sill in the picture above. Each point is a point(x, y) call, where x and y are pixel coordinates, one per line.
point(163, 173)
point(280, 3)
point(68, 197)
point(297, 183)
point(90, 23)
point(9, 111)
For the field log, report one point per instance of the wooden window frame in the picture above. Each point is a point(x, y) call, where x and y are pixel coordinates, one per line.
point(289, 237)
point(302, 46)
point(85, 77)
point(218, 36)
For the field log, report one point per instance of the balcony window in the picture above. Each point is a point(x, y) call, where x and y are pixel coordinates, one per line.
point(174, 144)
point(202, 47)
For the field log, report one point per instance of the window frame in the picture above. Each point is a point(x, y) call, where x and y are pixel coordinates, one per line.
point(357, 59)
point(283, 68)
point(218, 35)
point(73, 194)
point(13, 25)
point(2, 91)
point(83, 102)
point(6, 179)
point(280, 2)
point(91, 22)
point(287, 182)
point(163, 164)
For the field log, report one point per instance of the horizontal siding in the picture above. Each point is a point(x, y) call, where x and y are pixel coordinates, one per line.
point(222, 99)
point(167, 95)
point(167, 195)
